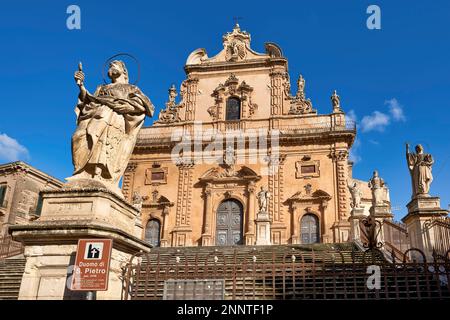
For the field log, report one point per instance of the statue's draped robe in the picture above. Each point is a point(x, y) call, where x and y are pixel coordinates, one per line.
point(108, 124)
point(419, 165)
point(377, 184)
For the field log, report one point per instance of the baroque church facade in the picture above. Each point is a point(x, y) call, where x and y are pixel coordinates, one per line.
point(305, 169)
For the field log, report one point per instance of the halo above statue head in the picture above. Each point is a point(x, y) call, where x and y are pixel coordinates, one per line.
point(117, 57)
point(424, 144)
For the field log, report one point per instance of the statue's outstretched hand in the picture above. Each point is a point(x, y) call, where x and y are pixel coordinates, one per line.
point(79, 78)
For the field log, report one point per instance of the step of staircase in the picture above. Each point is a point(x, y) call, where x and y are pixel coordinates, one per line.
point(11, 272)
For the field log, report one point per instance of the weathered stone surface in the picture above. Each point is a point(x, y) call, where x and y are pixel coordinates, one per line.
point(92, 205)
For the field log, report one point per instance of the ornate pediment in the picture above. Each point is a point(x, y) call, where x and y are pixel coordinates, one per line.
point(298, 103)
point(171, 113)
point(157, 201)
point(236, 48)
point(309, 196)
point(231, 87)
point(222, 173)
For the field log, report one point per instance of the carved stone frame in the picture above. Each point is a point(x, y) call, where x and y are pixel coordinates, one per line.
point(231, 88)
point(148, 176)
point(216, 189)
point(315, 203)
point(298, 169)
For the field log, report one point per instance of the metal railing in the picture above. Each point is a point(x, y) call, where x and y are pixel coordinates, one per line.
point(286, 273)
point(395, 237)
point(437, 232)
point(9, 247)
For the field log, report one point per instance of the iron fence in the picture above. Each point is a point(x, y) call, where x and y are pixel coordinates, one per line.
point(289, 273)
point(9, 247)
point(437, 232)
point(395, 237)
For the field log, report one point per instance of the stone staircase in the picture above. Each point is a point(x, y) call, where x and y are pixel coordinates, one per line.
point(11, 272)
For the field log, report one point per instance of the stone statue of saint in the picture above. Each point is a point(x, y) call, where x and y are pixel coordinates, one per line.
point(336, 102)
point(263, 197)
point(301, 87)
point(419, 165)
point(138, 200)
point(377, 185)
point(108, 122)
point(356, 193)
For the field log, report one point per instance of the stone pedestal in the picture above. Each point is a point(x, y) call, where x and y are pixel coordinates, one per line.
point(249, 239)
point(262, 229)
point(381, 212)
point(51, 241)
point(356, 215)
point(420, 210)
point(341, 230)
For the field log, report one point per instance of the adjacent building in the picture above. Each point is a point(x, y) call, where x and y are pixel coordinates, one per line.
point(20, 184)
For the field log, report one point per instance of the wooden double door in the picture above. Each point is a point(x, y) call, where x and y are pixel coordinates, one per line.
point(229, 223)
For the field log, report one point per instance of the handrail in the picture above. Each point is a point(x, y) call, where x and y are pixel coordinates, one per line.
point(9, 247)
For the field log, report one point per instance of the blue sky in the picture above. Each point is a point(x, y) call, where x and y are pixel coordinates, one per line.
point(395, 81)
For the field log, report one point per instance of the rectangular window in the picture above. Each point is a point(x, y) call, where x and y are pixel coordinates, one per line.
point(157, 176)
point(308, 169)
point(2, 195)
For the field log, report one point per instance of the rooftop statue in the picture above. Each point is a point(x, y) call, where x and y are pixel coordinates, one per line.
point(419, 165)
point(108, 122)
point(378, 187)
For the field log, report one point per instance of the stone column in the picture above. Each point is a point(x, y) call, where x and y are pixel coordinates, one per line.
point(342, 226)
point(295, 237)
point(323, 207)
point(206, 236)
point(164, 239)
point(250, 234)
point(276, 94)
point(190, 98)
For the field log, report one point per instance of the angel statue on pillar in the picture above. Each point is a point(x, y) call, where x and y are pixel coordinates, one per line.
point(108, 122)
point(419, 165)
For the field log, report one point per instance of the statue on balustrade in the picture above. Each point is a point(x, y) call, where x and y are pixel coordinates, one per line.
point(419, 165)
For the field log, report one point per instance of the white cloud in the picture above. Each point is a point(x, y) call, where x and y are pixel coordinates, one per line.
point(354, 152)
point(377, 121)
point(11, 149)
point(396, 110)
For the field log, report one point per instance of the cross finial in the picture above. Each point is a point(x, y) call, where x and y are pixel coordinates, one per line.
point(236, 21)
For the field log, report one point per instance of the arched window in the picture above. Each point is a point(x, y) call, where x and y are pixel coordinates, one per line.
point(233, 109)
point(152, 232)
point(309, 229)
